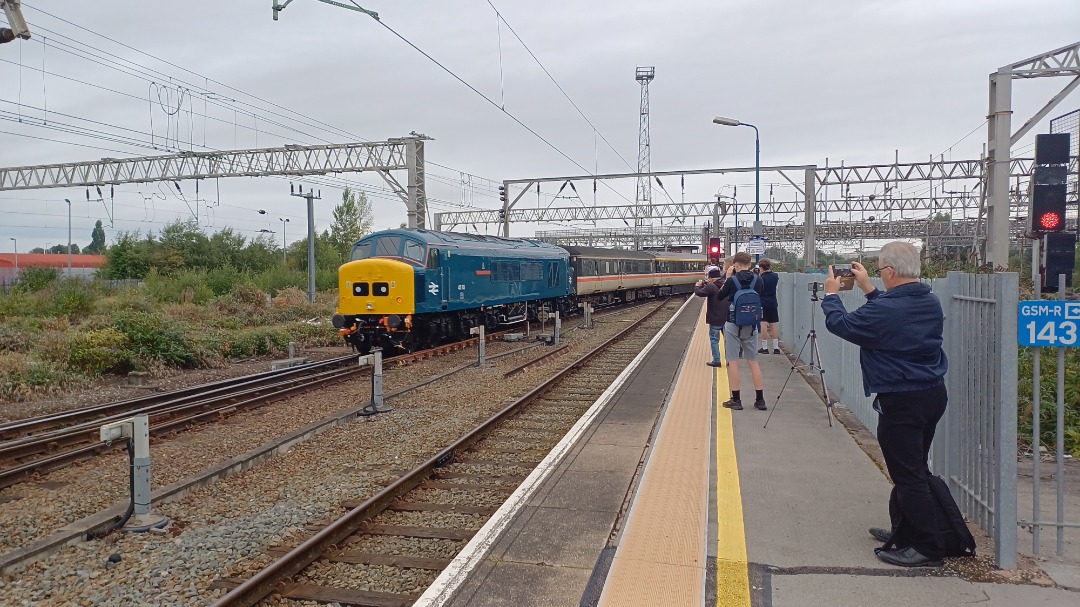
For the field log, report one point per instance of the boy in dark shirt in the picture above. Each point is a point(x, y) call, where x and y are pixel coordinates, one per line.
point(741, 342)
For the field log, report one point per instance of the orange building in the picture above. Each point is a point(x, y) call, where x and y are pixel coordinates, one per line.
point(31, 260)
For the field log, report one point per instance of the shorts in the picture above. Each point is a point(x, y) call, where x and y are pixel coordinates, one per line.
point(740, 342)
point(770, 313)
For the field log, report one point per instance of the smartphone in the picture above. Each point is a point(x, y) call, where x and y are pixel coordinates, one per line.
point(846, 276)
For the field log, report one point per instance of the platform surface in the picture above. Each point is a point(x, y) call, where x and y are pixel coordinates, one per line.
point(672, 500)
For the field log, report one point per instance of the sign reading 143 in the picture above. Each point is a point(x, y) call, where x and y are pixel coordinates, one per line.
point(1049, 323)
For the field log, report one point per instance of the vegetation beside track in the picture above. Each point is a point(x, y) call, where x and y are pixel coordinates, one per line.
point(60, 333)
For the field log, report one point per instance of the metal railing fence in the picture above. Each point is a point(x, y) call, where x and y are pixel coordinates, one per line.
point(975, 445)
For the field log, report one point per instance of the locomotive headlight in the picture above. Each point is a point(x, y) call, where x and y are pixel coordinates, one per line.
point(399, 300)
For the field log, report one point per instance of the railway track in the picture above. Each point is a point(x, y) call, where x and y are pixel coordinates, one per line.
point(400, 538)
point(38, 445)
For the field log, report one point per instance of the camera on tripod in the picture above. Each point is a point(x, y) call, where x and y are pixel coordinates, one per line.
point(815, 286)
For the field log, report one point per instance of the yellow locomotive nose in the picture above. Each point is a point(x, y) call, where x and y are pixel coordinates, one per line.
point(376, 286)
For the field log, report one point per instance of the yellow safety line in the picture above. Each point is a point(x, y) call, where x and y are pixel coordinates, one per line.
point(732, 575)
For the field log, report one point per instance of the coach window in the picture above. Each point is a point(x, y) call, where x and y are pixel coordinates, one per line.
point(433, 259)
point(388, 246)
point(414, 251)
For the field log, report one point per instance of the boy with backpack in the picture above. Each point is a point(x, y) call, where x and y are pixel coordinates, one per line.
point(743, 287)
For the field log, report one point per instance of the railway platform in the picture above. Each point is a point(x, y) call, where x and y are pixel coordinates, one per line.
point(668, 499)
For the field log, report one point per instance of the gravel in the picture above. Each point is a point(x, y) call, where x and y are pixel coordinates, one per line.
point(223, 530)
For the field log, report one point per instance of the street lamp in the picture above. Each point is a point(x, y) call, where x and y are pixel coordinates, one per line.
point(284, 221)
point(16, 254)
point(757, 170)
point(862, 240)
point(69, 236)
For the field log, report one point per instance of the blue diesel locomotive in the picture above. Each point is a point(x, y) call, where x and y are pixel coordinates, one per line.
point(405, 290)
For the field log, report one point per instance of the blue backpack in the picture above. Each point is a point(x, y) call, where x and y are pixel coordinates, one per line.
point(745, 308)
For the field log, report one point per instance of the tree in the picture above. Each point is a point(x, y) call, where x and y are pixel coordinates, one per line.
point(97, 240)
point(352, 220)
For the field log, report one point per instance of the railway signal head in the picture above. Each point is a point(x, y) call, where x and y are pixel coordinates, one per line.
point(502, 194)
point(716, 248)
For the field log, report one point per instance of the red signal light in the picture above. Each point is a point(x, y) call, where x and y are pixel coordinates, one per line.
point(715, 249)
point(1050, 221)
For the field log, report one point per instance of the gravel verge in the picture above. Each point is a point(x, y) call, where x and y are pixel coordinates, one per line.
point(223, 530)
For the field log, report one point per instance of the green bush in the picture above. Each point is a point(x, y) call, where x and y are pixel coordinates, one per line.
point(70, 298)
point(1048, 399)
point(35, 279)
point(185, 286)
point(20, 376)
point(257, 341)
point(100, 351)
point(279, 277)
point(222, 280)
point(153, 338)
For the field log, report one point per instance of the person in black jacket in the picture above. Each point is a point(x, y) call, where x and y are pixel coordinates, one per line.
point(899, 334)
point(770, 309)
point(715, 311)
point(741, 342)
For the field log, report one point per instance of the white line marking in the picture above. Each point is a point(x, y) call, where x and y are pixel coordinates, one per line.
point(444, 586)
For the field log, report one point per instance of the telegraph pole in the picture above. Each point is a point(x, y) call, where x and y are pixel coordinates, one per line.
point(311, 197)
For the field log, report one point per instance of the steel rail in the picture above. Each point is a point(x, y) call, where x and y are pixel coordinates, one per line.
point(29, 424)
point(267, 580)
point(85, 439)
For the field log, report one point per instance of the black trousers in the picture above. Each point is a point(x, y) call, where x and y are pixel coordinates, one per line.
point(906, 426)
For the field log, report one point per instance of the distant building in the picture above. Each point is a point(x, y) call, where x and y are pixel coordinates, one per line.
point(81, 265)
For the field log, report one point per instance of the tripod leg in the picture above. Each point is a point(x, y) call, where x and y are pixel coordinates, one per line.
point(824, 388)
point(794, 365)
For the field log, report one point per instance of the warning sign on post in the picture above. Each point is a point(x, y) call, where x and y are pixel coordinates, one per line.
point(757, 245)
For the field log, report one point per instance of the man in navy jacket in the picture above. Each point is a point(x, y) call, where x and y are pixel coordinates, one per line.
point(899, 333)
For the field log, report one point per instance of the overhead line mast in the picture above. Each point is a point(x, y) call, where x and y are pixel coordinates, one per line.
point(643, 201)
point(18, 29)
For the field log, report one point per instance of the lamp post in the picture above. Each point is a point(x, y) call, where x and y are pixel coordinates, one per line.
point(16, 254)
point(757, 172)
point(862, 240)
point(284, 222)
point(69, 237)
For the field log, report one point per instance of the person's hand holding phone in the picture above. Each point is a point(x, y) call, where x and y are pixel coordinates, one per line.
point(862, 277)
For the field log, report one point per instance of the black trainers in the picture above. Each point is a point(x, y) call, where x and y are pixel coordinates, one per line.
point(763, 351)
point(716, 364)
point(777, 351)
point(760, 405)
point(734, 405)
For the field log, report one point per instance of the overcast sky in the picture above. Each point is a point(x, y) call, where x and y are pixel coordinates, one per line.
point(845, 80)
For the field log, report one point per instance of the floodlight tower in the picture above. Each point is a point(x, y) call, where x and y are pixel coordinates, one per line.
point(643, 201)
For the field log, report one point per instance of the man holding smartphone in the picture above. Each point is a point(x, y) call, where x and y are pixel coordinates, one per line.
point(899, 333)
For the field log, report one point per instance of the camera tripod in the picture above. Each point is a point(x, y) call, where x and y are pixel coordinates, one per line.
point(813, 365)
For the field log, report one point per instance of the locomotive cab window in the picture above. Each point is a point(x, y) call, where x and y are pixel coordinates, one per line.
point(414, 251)
point(433, 259)
point(361, 251)
point(382, 289)
point(388, 246)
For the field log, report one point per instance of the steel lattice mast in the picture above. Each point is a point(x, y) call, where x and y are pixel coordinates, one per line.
point(643, 201)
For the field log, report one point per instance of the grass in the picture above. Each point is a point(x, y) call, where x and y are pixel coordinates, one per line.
point(62, 333)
